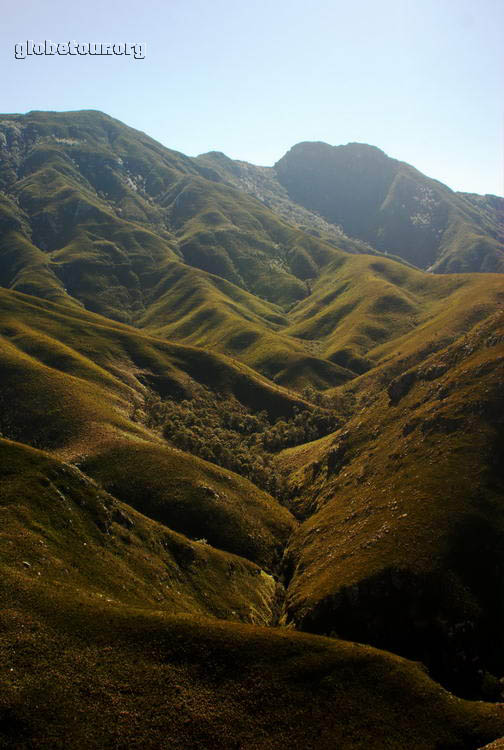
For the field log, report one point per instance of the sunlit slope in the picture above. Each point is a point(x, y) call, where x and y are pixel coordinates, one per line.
point(80, 386)
point(74, 541)
point(195, 498)
point(93, 209)
point(72, 182)
point(201, 309)
point(363, 310)
point(47, 349)
point(403, 544)
point(224, 231)
point(97, 215)
point(359, 309)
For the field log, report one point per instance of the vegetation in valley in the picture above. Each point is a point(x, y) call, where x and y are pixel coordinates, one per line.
point(413, 482)
point(117, 631)
point(223, 431)
point(224, 420)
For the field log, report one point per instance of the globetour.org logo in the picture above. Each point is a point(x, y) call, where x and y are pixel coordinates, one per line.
point(22, 50)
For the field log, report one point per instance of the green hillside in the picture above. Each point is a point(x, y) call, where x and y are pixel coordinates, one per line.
point(250, 467)
point(413, 482)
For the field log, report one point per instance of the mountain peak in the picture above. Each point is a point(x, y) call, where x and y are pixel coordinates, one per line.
point(394, 207)
point(354, 148)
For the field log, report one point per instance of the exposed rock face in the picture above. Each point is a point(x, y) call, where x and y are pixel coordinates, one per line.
point(399, 387)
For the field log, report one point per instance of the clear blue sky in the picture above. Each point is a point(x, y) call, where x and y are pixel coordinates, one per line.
point(421, 79)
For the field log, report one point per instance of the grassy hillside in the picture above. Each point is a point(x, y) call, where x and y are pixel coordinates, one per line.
point(364, 310)
point(81, 386)
point(223, 420)
point(403, 542)
point(95, 379)
point(95, 214)
point(87, 672)
point(194, 497)
point(107, 206)
point(103, 640)
point(82, 350)
point(63, 534)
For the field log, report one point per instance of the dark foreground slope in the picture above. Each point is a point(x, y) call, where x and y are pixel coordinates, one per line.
point(93, 654)
point(147, 680)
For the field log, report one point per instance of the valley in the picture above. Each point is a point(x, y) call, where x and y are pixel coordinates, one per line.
point(250, 451)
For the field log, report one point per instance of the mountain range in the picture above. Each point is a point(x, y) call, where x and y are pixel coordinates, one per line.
point(251, 447)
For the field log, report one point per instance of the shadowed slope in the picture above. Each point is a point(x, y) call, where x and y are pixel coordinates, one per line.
point(263, 184)
point(404, 545)
point(114, 675)
point(395, 207)
point(225, 232)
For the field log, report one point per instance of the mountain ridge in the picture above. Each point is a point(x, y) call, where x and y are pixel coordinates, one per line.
point(232, 445)
point(392, 205)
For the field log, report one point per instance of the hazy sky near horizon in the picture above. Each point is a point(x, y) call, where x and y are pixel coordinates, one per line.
point(421, 79)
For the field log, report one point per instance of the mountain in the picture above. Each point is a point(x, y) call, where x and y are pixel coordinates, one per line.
point(250, 474)
point(82, 187)
point(263, 184)
point(396, 208)
point(96, 214)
